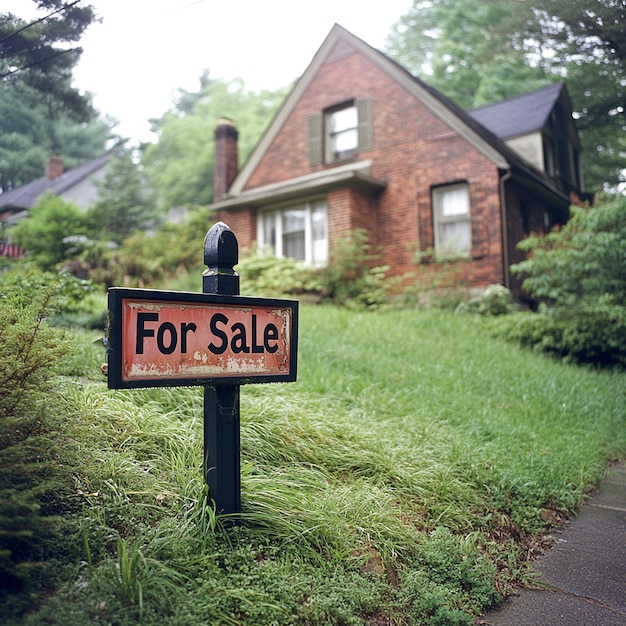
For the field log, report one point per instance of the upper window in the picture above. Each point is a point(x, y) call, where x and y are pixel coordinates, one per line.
point(297, 232)
point(451, 211)
point(340, 132)
point(342, 138)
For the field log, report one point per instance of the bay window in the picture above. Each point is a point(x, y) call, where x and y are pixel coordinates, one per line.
point(297, 231)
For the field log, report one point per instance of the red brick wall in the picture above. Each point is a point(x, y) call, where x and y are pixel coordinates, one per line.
point(413, 150)
point(242, 223)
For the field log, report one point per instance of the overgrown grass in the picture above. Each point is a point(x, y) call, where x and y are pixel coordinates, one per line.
point(399, 481)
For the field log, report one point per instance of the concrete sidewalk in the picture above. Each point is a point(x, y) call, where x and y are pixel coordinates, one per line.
point(582, 579)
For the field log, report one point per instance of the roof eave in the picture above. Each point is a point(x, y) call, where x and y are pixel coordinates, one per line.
point(354, 176)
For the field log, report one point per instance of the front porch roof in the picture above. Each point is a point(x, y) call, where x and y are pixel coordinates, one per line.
point(354, 175)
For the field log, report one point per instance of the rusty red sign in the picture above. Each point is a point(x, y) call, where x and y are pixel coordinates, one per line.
point(162, 338)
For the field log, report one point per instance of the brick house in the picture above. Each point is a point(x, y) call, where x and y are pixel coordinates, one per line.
point(361, 143)
point(77, 185)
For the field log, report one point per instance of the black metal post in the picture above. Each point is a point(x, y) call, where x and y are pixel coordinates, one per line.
point(222, 470)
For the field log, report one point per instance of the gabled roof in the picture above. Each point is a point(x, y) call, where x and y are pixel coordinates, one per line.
point(479, 136)
point(25, 197)
point(520, 115)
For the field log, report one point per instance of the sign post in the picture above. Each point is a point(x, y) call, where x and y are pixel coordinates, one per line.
point(216, 339)
point(221, 466)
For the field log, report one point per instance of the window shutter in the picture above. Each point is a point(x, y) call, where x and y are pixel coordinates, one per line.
point(363, 107)
point(315, 138)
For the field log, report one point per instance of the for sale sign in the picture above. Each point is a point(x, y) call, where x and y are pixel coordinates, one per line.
point(160, 338)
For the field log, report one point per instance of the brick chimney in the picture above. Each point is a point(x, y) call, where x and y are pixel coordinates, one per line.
point(226, 158)
point(54, 169)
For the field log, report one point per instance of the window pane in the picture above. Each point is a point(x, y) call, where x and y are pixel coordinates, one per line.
point(293, 233)
point(269, 229)
point(293, 245)
point(454, 202)
point(344, 119)
point(455, 236)
point(293, 219)
point(319, 247)
point(318, 222)
point(345, 141)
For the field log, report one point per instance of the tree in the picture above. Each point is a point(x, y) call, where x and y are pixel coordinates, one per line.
point(28, 136)
point(451, 43)
point(180, 164)
point(40, 113)
point(587, 25)
point(587, 39)
point(38, 55)
point(480, 51)
point(48, 232)
point(125, 203)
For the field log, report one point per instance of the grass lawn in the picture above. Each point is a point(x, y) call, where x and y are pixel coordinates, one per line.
point(405, 478)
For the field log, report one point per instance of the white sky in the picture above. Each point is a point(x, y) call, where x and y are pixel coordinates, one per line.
point(144, 50)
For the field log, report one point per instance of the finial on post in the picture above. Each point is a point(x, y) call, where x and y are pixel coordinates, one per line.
point(221, 254)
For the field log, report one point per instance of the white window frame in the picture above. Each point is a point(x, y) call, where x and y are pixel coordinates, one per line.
point(315, 251)
point(458, 214)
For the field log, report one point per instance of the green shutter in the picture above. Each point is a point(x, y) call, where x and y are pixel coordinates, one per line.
point(363, 107)
point(315, 138)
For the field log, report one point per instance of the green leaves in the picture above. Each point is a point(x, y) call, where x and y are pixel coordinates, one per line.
point(579, 272)
point(478, 52)
point(45, 232)
point(180, 164)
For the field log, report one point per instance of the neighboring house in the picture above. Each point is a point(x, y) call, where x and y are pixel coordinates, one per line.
point(77, 186)
point(361, 143)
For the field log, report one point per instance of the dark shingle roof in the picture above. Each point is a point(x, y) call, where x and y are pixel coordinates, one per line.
point(520, 115)
point(26, 196)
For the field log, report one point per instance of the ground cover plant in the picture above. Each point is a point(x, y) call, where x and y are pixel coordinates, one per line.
point(401, 480)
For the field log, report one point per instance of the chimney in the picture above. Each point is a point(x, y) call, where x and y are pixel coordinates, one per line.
point(226, 158)
point(54, 168)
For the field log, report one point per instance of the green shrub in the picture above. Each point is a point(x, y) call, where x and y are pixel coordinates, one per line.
point(495, 300)
point(32, 419)
point(49, 232)
point(262, 273)
point(578, 274)
point(352, 278)
point(586, 332)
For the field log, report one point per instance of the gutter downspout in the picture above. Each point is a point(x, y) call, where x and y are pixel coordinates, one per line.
point(505, 239)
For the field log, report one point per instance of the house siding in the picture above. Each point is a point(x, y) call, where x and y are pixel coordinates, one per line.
point(412, 150)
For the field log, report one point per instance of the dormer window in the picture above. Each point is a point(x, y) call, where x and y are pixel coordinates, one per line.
point(340, 132)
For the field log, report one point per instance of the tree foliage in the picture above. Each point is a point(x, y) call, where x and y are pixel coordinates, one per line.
point(125, 201)
point(50, 231)
point(40, 112)
point(481, 51)
point(180, 164)
point(39, 53)
point(28, 136)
